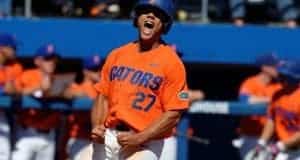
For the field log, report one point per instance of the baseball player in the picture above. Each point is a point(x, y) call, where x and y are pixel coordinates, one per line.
point(284, 117)
point(142, 90)
point(257, 89)
point(36, 133)
point(9, 70)
point(79, 122)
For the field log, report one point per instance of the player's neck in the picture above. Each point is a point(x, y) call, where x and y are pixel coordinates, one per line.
point(148, 45)
point(264, 78)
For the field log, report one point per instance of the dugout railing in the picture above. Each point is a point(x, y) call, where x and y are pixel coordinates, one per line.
point(200, 107)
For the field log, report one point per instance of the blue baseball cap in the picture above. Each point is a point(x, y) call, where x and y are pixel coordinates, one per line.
point(47, 51)
point(270, 59)
point(92, 62)
point(290, 69)
point(8, 40)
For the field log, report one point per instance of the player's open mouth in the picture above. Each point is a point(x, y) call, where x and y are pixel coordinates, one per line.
point(148, 28)
point(149, 24)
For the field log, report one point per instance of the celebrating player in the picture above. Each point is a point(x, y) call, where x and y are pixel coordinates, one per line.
point(283, 117)
point(36, 136)
point(142, 90)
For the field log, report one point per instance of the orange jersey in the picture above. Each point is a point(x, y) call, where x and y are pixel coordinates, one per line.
point(43, 119)
point(10, 72)
point(253, 125)
point(29, 79)
point(87, 87)
point(140, 86)
point(79, 122)
point(285, 112)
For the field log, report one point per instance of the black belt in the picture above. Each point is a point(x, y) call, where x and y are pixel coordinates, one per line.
point(122, 127)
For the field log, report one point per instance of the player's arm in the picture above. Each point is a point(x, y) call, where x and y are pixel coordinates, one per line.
point(268, 130)
point(70, 92)
point(195, 95)
point(293, 142)
point(257, 99)
point(246, 94)
point(99, 110)
point(251, 99)
point(163, 125)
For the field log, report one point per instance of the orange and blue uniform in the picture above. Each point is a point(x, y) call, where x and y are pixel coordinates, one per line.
point(41, 119)
point(285, 112)
point(10, 72)
point(253, 125)
point(140, 86)
point(79, 122)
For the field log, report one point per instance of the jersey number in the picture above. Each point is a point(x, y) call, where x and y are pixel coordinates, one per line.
point(140, 98)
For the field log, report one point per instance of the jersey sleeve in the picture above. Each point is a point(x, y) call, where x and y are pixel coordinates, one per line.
point(245, 91)
point(175, 91)
point(102, 86)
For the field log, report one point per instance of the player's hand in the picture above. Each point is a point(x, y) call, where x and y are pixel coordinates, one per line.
point(260, 146)
point(97, 133)
point(131, 139)
point(276, 148)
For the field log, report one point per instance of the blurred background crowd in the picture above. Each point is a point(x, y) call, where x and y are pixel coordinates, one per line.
point(237, 11)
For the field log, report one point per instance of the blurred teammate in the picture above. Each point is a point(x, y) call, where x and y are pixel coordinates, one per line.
point(254, 90)
point(79, 122)
point(9, 70)
point(36, 136)
point(284, 117)
point(141, 93)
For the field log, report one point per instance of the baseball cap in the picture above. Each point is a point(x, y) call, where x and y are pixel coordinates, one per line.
point(270, 59)
point(290, 69)
point(8, 40)
point(47, 51)
point(92, 62)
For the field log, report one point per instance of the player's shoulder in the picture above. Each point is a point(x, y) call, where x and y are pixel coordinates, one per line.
point(31, 72)
point(170, 54)
point(251, 80)
point(121, 49)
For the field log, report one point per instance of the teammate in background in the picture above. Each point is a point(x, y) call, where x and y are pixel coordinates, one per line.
point(36, 134)
point(79, 122)
point(141, 93)
point(254, 90)
point(9, 70)
point(284, 117)
point(10, 67)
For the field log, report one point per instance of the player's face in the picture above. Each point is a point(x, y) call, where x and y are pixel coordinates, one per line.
point(48, 66)
point(150, 25)
point(270, 70)
point(7, 52)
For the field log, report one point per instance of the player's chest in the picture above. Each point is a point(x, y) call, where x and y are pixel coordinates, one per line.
point(148, 73)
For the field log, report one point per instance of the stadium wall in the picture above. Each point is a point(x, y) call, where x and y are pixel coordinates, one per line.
point(219, 43)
